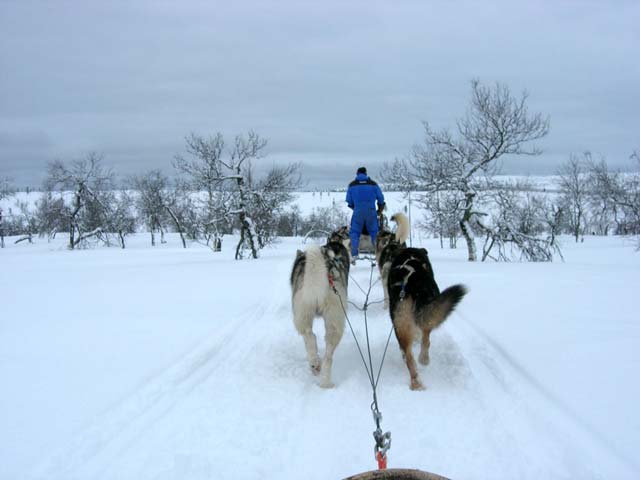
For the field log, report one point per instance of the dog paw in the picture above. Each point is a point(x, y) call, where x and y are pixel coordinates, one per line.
point(424, 359)
point(327, 384)
point(416, 385)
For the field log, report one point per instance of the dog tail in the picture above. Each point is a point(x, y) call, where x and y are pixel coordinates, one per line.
point(439, 308)
point(402, 230)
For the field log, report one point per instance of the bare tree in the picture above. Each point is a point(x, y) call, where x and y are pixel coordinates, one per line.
point(604, 187)
point(573, 182)
point(226, 172)
point(159, 204)
point(632, 198)
point(553, 218)
point(323, 220)
point(52, 215)
point(497, 124)
point(289, 222)
point(399, 175)
point(90, 186)
point(121, 219)
point(6, 190)
point(28, 222)
point(627, 199)
point(268, 198)
point(205, 168)
point(179, 207)
point(443, 210)
point(613, 198)
point(515, 230)
point(151, 189)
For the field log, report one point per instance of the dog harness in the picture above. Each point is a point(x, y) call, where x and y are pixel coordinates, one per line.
point(405, 280)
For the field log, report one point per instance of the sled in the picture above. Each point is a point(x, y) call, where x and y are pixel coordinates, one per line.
point(366, 246)
point(397, 474)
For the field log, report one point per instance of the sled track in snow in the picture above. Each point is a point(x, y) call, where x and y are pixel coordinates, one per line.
point(121, 426)
point(557, 403)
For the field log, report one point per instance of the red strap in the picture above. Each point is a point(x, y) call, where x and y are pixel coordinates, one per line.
point(382, 461)
point(331, 283)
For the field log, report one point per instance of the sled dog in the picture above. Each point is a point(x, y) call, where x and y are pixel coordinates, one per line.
point(416, 304)
point(388, 245)
point(315, 274)
point(341, 235)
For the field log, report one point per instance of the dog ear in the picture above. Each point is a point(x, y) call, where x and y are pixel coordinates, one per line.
point(425, 251)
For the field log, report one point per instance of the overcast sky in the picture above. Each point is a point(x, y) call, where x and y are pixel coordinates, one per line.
point(332, 84)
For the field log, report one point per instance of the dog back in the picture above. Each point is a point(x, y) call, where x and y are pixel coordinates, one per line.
point(315, 268)
point(411, 275)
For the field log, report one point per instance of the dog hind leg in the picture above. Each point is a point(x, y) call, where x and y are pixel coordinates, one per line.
point(311, 345)
point(424, 347)
point(334, 328)
point(384, 274)
point(303, 319)
point(404, 327)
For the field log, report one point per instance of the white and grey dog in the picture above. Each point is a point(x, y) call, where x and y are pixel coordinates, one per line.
point(316, 272)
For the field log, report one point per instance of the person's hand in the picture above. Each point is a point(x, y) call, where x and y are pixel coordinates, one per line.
point(380, 209)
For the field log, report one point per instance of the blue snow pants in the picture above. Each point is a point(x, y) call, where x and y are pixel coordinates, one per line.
point(360, 218)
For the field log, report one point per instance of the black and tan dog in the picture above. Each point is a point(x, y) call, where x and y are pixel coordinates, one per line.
point(388, 245)
point(416, 304)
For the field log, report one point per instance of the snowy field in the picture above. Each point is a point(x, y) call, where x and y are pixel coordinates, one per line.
point(164, 363)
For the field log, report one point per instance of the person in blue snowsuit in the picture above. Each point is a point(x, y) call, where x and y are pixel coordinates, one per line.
point(362, 195)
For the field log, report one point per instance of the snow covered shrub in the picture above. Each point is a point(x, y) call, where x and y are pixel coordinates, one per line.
point(522, 226)
point(497, 124)
point(232, 193)
point(324, 220)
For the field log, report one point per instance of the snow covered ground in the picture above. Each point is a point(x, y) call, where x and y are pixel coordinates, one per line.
point(164, 363)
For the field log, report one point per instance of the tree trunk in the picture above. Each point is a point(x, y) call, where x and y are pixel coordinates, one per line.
point(465, 228)
point(22, 239)
point(178, 225)
point(209, 229)
point(247, 223)
point(72, 220)
point(72, 243)
point(471, 245)
point(239, 246)
point(247, 234)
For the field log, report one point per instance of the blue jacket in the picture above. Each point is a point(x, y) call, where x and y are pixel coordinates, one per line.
point(363, 193)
